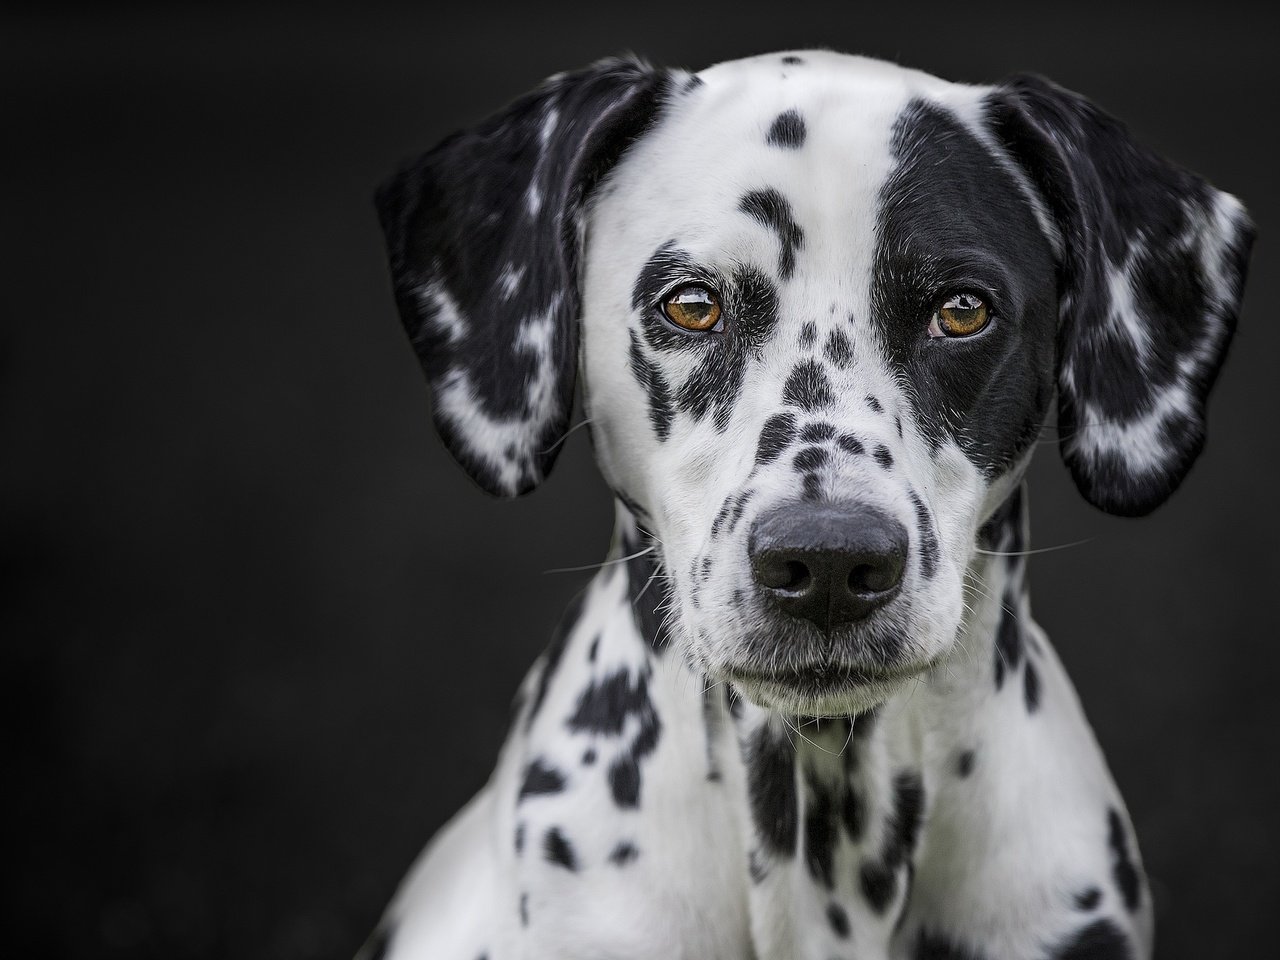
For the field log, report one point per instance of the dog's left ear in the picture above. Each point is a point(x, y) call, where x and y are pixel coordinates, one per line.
point(484, 235)
point(1152, 265)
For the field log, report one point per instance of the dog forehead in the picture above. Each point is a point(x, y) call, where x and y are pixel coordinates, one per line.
point(816, 127)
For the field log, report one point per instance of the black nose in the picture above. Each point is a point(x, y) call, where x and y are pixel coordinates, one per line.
point(828, 563)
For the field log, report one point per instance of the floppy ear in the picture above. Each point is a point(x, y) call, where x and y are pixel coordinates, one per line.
point(484, 237)
point(1152, 265)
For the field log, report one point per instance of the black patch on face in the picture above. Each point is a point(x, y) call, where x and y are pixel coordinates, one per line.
point(777, 433)
point(792, 60)
point(883, 456)
point(851, 814)
point(1100, 940)
point(931, 946)
point(838, 349)
point(851, 444)
point(817, 432)
point(623, 854)
point(953, 219)
point(838, 919)
point(651, 380)
point(756, 867)
point(555, 650)
point(787, 131)
point(588, 757)
point(811, 488)
point(807, 387)
point(1031, 687)
point(691, 84)
point(929, 550)
point(874, 404)
point(540, 778)
point(593, 649)
point(1123, 869)
point(964, 763)
point(771, 788)
point(603, 709)
point(557, 849)
point(519, 840)
point(1088, 899)
point(524, 909)
point(809, 459)
point(808, 334)
point(771, 208)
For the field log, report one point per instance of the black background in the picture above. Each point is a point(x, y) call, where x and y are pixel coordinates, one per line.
point(260, 635)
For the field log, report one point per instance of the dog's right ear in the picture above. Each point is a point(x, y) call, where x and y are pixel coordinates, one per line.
point(484, 238)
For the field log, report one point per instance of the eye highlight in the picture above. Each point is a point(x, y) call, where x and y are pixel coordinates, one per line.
point(693, 307)
point(960, 315)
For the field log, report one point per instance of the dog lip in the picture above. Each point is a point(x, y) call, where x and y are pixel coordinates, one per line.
point(828, 676)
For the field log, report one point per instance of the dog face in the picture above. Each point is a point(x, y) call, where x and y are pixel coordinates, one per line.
point(823, 303)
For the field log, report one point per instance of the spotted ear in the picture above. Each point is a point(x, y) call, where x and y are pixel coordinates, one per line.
point(1152, 264)
point(484, 236)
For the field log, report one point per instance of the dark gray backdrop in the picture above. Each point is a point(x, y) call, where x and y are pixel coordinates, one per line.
point(260, 634)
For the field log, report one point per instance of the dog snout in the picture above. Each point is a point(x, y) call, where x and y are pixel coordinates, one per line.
point(830, 564)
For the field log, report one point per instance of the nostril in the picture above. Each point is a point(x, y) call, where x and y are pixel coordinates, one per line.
point(798, 576)
point(789, 575)
point(875, 577)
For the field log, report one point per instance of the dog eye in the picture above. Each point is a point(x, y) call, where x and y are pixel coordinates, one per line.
point(693, 307)
point(960, 315)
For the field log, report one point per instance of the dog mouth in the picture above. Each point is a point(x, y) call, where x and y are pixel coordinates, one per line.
point(821, 681)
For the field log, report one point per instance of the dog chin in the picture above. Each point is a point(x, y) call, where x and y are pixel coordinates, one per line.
point(837, 693)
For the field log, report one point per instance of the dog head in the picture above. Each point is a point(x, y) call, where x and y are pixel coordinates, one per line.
point(822, 306)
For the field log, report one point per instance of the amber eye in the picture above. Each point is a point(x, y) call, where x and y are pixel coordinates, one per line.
point(692, 307)
point(960, 315)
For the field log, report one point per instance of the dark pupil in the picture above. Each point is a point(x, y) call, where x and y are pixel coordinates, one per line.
point(693, 305)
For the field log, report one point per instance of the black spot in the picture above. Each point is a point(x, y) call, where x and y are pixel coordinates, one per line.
point(812, 488)
point(1031, 687)
point(838, 349)
point(851, 814)
point(777, 433)
point(929, 551)
point(1122, 866)
point(623, 853)
point(883, 456)
point(551, 659)
point(650, 378)
point(817, 432)
point(787, 131)
point(809, 459)
point(908, 811)
point(540, 778)
point(879, 885)
point(691, 84)
point(588, 757)
point(519, 838)
point(838, 919)
point(851, 444)
point(603, 709)
point(964, 763)
point(648, 590)
point(771, 208)
point(593, 649)
point(771, 787)
point(807, 387)
point(1008, 645)
point(757, 867)
point(1088, 899)
point(557, 849)
point(792, 61)
point(931, 946)
point(897, 423)
point(524, 909)
point(808, 334)
point(874, 404)
point(1100, 940)
point(820, 832)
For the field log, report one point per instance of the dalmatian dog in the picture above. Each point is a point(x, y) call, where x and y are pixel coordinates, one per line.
point(819, 307)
